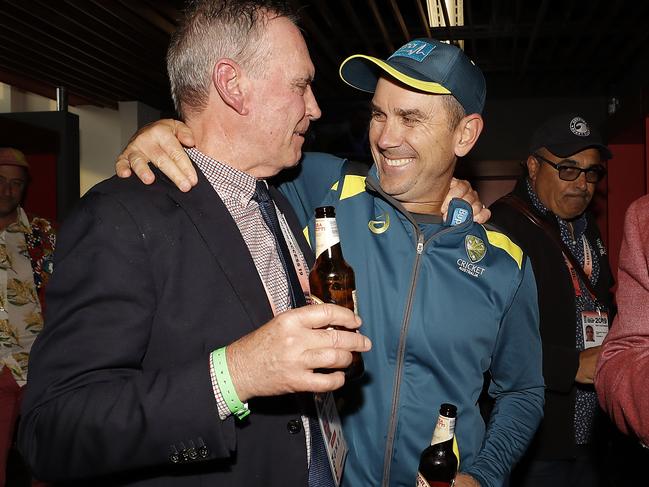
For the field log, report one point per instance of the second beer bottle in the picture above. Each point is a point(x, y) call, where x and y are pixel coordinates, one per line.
point(438, 463)
point(332, 279)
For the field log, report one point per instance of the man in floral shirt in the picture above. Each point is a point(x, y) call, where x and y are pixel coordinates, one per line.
point(26, 248)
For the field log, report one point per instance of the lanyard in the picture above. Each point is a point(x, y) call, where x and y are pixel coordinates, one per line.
point(588, 269)
point(299, 262)
point(574, 267)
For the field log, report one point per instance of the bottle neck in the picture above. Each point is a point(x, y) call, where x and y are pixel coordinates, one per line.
point(326, 237)
point(444, 430)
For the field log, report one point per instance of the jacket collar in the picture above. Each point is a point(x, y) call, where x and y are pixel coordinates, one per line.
point(459, 212)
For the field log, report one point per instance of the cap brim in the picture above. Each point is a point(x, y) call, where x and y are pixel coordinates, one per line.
point(363, 72)
point(567, 150)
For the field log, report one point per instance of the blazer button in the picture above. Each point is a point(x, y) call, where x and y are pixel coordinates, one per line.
point(294, 426)
point(184, 455)
point(192, 453)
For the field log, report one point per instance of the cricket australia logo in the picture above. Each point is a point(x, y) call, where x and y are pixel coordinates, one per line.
point(475, 248)
point(475, 251)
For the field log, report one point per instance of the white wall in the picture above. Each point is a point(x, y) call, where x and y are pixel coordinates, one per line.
point(100, 141)
point(103, 132)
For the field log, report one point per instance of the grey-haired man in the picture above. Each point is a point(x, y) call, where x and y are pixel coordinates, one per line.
point(444, 300)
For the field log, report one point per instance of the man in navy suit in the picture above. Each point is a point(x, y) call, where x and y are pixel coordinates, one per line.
point(171, 354)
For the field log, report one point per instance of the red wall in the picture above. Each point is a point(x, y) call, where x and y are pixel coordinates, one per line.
point(628, 179)
point(41, 194)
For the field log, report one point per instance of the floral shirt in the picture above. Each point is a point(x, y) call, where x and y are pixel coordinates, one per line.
point(26, 253)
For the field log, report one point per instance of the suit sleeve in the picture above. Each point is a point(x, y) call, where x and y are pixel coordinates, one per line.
point(621, 381)
point(90, 408)
point(516, 385)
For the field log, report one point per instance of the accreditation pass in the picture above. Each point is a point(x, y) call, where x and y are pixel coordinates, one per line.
point(332, 433)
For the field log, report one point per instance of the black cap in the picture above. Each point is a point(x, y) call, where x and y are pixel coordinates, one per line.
point(567, 134)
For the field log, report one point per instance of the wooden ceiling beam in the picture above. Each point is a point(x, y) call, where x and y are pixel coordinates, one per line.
point(320, 44)
point(151, 16)
point(323, 9)
point(423, 17)
point(114, 13)
point(387, 40)
point(70, 43)
point(360, 29)
point(45, 58)
point(540, 17)
point(400, 21)
point(46, 90)
point(42, 76)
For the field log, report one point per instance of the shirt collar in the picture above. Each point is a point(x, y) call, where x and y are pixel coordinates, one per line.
point(227, 181)
point(21, 225)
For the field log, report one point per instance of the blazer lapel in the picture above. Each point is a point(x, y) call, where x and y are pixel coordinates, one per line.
point(223, 238)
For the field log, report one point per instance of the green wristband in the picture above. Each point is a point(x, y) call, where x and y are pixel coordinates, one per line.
point(223, 379)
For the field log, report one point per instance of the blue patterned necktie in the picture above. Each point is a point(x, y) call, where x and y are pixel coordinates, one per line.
point(319, 470)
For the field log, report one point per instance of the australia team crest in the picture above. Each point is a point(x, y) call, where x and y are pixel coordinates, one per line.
point(475, 248)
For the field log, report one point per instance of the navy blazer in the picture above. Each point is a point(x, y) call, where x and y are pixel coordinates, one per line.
point(148, 281)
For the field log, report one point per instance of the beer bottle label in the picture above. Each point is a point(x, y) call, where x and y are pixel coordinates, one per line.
point(311, 299)
point(421, 481)
point(326, 234)
point(444, 430)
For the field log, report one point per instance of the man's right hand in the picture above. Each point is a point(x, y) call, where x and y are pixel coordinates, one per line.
point(159, 142)
point(282, 356)
point(587, 362)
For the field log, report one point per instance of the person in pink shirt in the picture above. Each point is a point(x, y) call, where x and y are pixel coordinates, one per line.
point(622, 376)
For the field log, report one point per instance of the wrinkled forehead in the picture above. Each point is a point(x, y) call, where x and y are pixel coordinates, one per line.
point(286, 47)
point(392, 90)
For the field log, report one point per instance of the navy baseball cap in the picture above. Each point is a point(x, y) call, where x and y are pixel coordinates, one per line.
point(427, 65)
point(567, 134)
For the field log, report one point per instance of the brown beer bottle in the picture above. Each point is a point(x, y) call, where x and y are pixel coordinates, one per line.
point(332, 279)
point(438, 463)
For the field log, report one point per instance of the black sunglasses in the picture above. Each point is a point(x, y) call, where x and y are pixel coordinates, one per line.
point(594, 174)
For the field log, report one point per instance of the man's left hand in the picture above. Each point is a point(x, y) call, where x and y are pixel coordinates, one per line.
point(465, 480)
point(463, 190)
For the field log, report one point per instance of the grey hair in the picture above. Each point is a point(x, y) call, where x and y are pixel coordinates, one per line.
point(215, 29)
point(454, 110)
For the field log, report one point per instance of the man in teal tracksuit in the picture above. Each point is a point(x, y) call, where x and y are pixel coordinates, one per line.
point(444, 302)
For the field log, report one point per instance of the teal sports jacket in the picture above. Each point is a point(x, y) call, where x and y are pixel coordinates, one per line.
point(443, 303)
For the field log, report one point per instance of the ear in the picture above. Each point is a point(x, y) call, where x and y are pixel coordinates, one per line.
point(467, 132)
point(532, 167)
point(229, 80)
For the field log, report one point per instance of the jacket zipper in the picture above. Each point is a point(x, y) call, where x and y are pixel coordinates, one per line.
point(387, 459)
point(421, 244)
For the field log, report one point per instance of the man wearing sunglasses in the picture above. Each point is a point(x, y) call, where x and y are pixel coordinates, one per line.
point(546, 214)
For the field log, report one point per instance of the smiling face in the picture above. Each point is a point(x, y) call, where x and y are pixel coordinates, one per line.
point(413, 145)
point(566, 199)
point(283, 103)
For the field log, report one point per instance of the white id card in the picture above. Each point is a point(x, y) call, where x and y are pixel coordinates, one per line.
point(595, 327)
point(332, 432)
